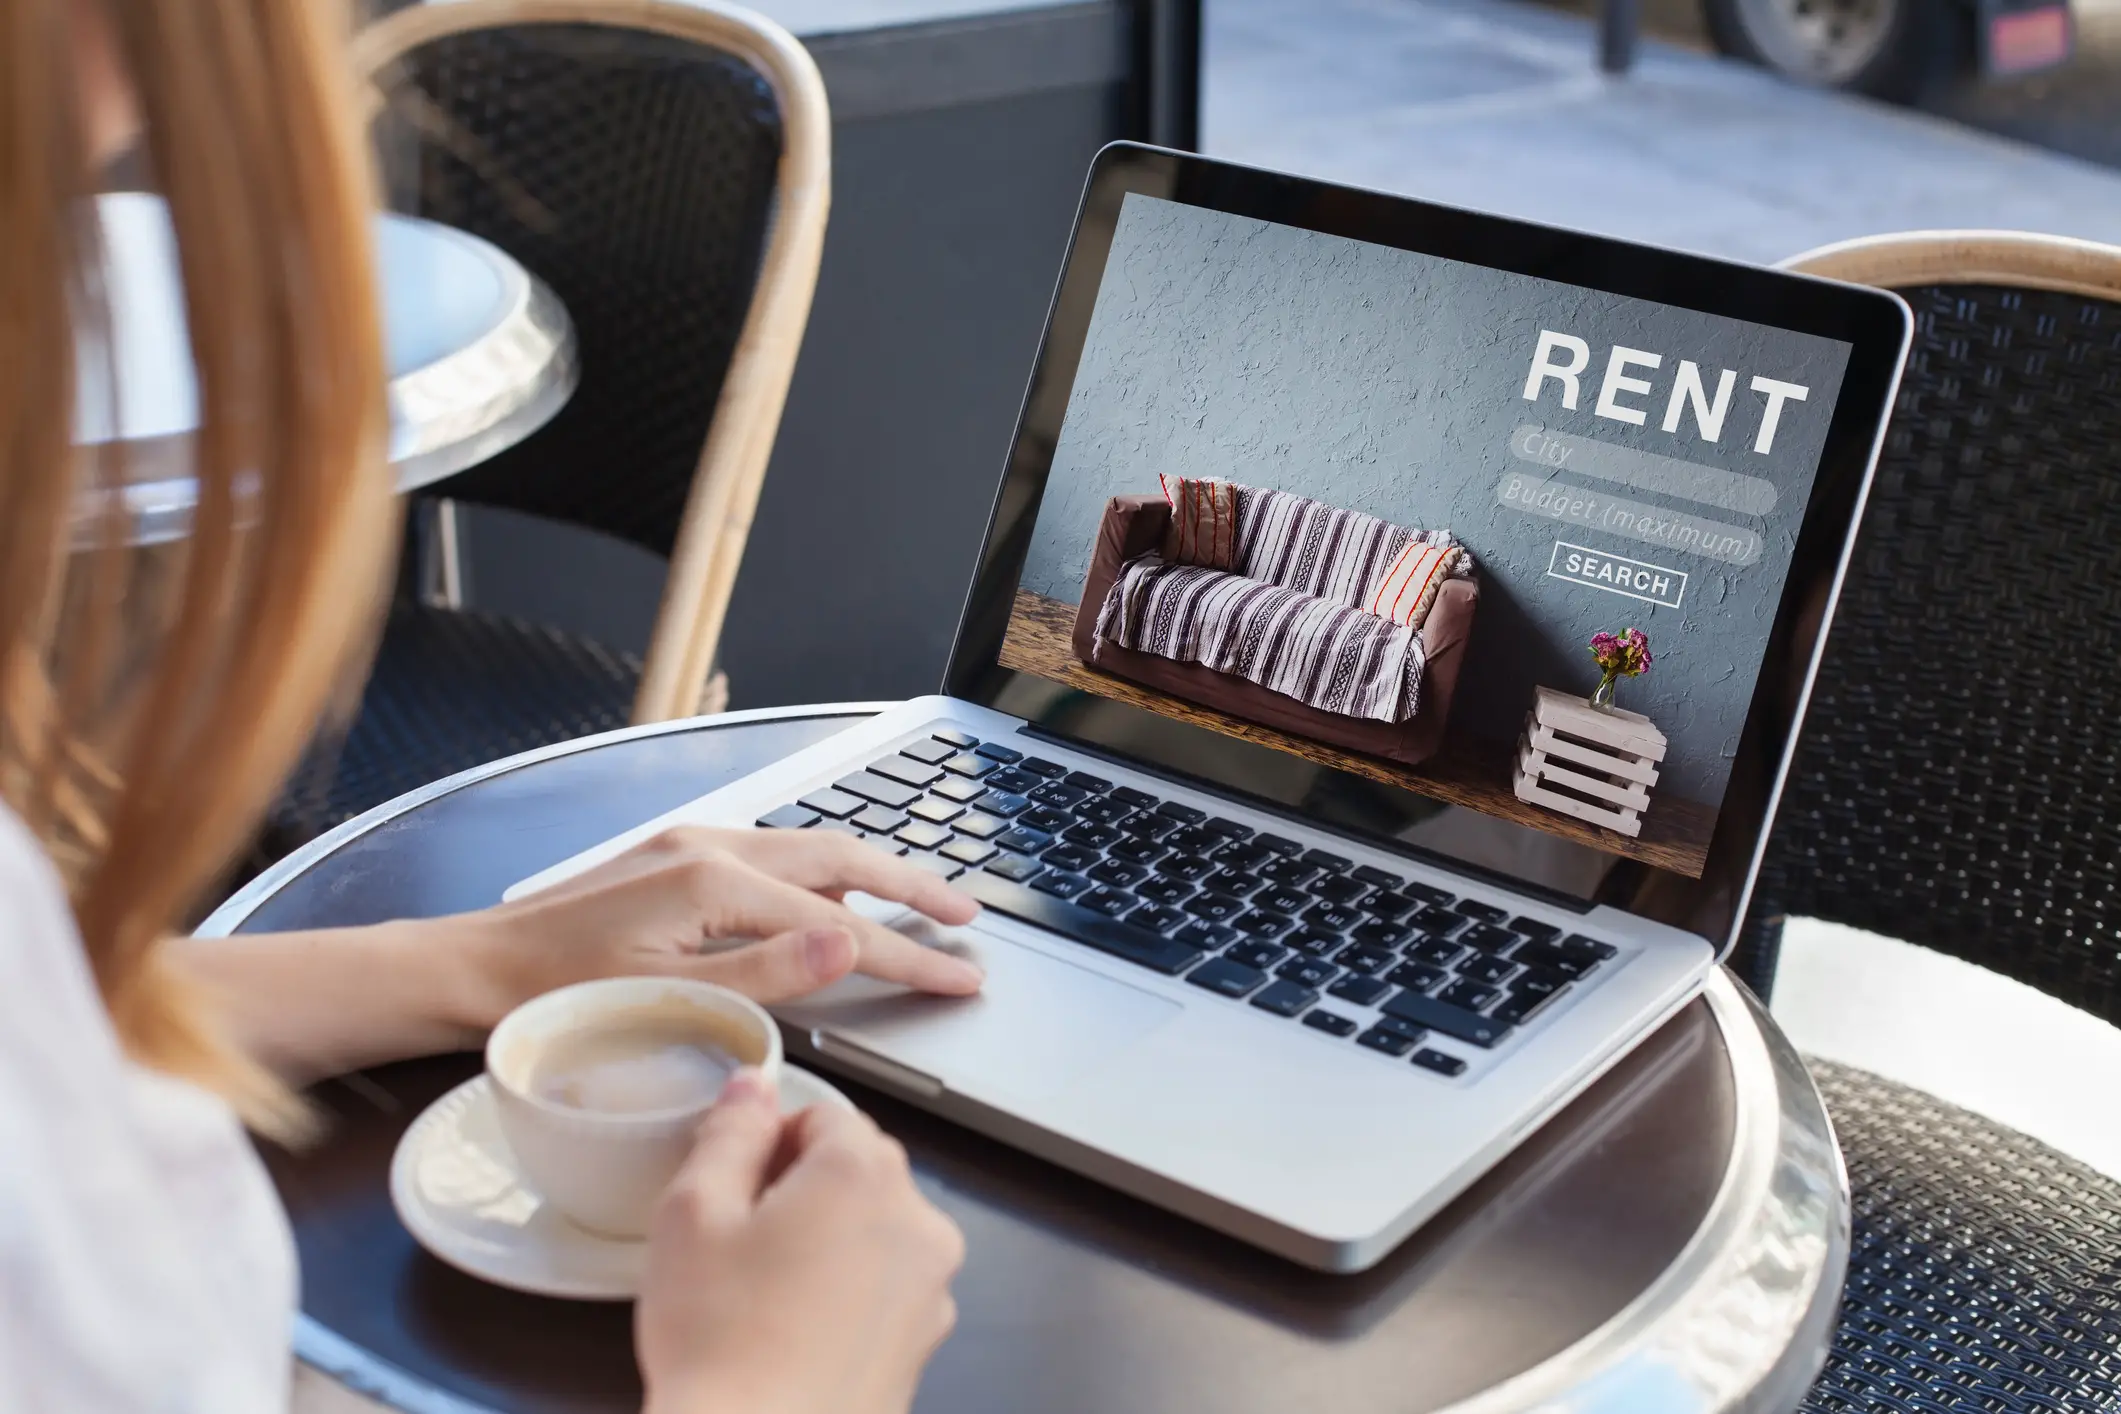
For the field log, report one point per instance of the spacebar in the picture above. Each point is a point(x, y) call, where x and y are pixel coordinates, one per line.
point(1084, 925)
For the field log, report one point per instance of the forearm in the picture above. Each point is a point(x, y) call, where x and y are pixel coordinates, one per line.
point(320, 1003)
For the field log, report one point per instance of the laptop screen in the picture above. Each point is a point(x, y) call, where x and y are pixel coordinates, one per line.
point(1493, 557)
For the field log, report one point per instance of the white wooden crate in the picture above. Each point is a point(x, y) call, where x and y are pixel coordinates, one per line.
point(1594, 766)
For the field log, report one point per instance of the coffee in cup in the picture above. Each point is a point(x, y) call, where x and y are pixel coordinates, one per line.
point(600, 1087)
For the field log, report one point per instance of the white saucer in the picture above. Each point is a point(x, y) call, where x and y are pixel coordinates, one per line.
point(455, 1185)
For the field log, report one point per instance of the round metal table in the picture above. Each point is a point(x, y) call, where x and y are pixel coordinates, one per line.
point(480, 356)
point(1673, 1243)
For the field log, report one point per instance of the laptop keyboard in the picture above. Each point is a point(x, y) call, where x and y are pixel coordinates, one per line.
point(1349, 950)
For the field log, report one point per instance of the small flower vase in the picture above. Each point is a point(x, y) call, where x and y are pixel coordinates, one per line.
point(1602, 695)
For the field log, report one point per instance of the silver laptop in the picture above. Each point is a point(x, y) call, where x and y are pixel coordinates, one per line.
point(1313, 881)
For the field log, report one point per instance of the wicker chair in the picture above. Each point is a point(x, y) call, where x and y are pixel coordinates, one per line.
point(1958, 785)
point(664, 168)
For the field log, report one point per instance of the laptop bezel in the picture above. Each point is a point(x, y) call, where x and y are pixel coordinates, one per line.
point(1876, 324)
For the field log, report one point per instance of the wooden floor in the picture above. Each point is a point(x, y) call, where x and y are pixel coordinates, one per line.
point(1469, 771)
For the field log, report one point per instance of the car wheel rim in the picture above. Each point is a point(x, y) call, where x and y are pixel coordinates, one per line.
point(1823, 41)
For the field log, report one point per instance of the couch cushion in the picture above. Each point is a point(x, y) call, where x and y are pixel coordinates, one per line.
point(1407, 590)
point(1203, 528)
point(1323, 653)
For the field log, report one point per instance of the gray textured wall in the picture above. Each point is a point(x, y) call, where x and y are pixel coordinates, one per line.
point(1391, 382)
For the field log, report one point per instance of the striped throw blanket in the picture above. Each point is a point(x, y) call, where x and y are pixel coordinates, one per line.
point(1301, 612)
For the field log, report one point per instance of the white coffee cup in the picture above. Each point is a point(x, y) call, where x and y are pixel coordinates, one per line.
point(606, 1169)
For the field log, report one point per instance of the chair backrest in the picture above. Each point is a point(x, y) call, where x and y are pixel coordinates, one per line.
point(664, 168)
point(1958, 780)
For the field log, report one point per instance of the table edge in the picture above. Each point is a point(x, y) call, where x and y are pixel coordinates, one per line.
point(1741, 1320)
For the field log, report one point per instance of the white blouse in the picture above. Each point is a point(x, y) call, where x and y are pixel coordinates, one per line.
point(145, 1263)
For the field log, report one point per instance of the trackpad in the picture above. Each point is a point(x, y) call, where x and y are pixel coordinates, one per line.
point(1038, 1023)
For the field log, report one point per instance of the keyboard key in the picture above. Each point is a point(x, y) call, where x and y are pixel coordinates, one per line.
point(1437, 952)
point(1334, 917)
point(1040, 766)
point(906, 770)
point(1380, 935)
point(889, 794)
point(1234, 882)
point(1014, 867)
point(1588, 946)
point(1058, 794)
point(1060, 883)
point(1109, 901)
point(1136, 850)
point(922, 835)
point(1073, 858)
point(931, 752)
point(1363, 991)
point(1157, 918)
point(1392, 907)
point(1133, 799)
point(1023, 841)
point(981, 826)
point(1184, 814)
point(963, 792)
point(1278, 843)
point(1165, 890)
point(1205, 935)
point(994, 751)
point(1430, 1059)
point(1292, 872)
point(1551, 958)
point(1190, 867)
point(1084, 781)
point(1330, 1022)
point(969, 765)
point(963, 741)
point(1257, 924)
point(1002, 803)
point(1401, 1027)
point(1255, 954)
point(1519, 1007)
point(1533, 928)
point(1415, 976)
point(1538, 983)
point(1473, 996)
point(935, 864)
point(1489, 938)
point(1227, 978)
point(1492, 970)
point(836, 803)
point(1485, 912)
point(1089, 834)
point(1281, 900)
point(1368, 961)
point(1439, 921)
point(1244, 856)
point(1331, 863)
point(1339, 888)
point(968, 851)
point(1427, 893)
point(1439, 1015)
point(1045, 817)
point(1103, 809)
point(1307, 970)
point(877, 820)
point(788, 817)
point(1315, 942)
point(1149, 825)
point(1285, 998)
point(1108, 935)
point(1228, 829)
point(1013, 781)
point(1194, 840)
point(1377, 878)
point(1119, 874)
point(1216, 908)
point(1391, 1043)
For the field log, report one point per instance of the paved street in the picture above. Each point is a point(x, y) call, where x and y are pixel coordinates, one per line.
point(1499, 105)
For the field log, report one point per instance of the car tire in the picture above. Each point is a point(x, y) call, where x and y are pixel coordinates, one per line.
point(1898, 50)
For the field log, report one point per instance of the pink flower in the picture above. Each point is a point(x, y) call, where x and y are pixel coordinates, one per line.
point(1625, 654)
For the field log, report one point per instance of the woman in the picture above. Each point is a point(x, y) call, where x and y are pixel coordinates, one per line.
point(148, 714)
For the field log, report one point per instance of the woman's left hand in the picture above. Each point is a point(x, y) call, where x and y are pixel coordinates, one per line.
point(759, 911)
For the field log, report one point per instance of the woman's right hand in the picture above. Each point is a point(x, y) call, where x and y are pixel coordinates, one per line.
point(793, 1267)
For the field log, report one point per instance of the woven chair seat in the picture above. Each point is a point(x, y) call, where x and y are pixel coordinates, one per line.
point(1986, 1268)
point(453, 689)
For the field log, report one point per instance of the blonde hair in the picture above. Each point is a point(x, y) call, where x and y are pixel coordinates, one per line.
point(151, 704)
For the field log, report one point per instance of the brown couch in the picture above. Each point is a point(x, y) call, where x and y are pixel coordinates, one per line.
point(1134, 525)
